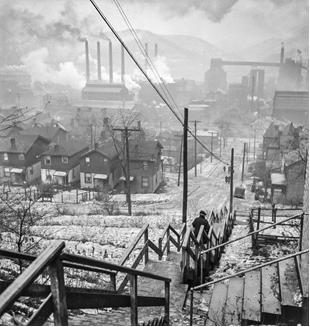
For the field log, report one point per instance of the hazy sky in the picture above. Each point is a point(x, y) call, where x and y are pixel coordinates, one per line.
point(232, 24)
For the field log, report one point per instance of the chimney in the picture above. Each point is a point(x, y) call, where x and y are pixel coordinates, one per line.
point(13, 143)
point(98, 61)
point(282, 54)
point(139, 124)
point(96, 145)
point(156, 50)
point(111, 62)
point(106, 121)
point(56, 148)
point(122, 63)
point(146, 55)
point(87, 60)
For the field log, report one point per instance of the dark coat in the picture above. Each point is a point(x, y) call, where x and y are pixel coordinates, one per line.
point(199, 221)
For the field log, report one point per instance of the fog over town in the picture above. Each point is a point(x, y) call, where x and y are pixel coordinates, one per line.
point(126, 126)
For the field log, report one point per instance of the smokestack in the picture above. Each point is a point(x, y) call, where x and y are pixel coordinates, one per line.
point(156, 50)
point(13, 143)
point(282, 54)
point(122, 63)
point(87, 60)
point(98, 61)
point(111, 62)
point(146, 55)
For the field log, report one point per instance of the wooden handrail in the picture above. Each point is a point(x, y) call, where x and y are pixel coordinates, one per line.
point(30, 257)
point(133, 244)
point(30, 274)
point(249, 234)
point(112, 266)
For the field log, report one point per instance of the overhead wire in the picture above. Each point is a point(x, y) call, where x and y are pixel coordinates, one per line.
point(147, 77)
point(157, 76)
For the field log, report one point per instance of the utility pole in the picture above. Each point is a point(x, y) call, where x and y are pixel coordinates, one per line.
point(252, 95)
point(220, 146)
point(91, 136)
point(127, 170)
point(211, 146)
point(243, 161)
point(179, 175)
point(185, 127)
point(195, 122)
point(231, 180)
point(254, 141)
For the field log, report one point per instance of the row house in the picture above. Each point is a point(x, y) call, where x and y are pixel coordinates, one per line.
point(99, 166)
point(60, 164)
point(146, 168)
point(19, 158)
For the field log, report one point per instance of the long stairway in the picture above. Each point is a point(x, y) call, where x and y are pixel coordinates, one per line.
point(268, 295)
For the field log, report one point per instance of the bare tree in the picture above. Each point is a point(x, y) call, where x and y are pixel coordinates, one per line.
point(19, 213)
point(225, 126)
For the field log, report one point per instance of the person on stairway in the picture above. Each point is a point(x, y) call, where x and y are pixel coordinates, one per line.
point(201, 221)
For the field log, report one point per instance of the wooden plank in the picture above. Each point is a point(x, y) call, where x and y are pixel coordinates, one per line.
point(29, 275)
point(38, 290)
point(108, 265)
point(133, 300)
point(96, 300)
point(42, 314)
point(252, 300)
point(132, 245)
point(233, 308)
point(270, 291)
point(288, 282)
point(217, 305)
point(58, 293)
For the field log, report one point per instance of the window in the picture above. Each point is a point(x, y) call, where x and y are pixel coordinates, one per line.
point(5, 156)
point(145, 182)
point(105, 161)
point(144, 165)
point(48, 160)
point(87, 161)
point(7, 172)
point(87, 178)
point(65, 159)
point(21, 156)
point(30, 170)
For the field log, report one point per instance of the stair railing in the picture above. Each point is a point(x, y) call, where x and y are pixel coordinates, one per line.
point(201, 287)
point(59, 298)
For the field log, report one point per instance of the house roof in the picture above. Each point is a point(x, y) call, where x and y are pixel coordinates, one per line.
point(6, 130)
point(278, 179)
point(291, 101)
point(144, 149)
point(288, 130)
point(67, 148)
point(271, 131)
point(106, 148)
point(23, 143)
point(46, 131)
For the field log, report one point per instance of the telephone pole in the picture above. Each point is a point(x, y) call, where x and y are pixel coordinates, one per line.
point(127, 170)
point(231, 180)
point(195, 122)
point(211, 146)
point(185, 128)
point(243, 161)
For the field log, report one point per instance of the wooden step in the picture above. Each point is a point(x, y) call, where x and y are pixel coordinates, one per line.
point(217, 304)
point(271, 305)
point(252, 299)
point(288, 279)
point(233, 308)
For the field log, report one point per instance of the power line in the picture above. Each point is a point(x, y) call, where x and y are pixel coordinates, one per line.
point(146, 76)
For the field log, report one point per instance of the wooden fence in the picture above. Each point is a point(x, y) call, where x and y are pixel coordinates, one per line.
point(59, 298)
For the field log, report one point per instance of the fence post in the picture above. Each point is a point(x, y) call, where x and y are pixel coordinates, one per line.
point(167, 301)
point(146, 239)
point(56, 273)
point(258, 217)
point(62, 197)
point(160, 245)
point(168, 240)
point(77, 196)
point(133, 300)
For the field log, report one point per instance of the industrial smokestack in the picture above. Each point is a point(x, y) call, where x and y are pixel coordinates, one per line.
point(156, 50)
point(282, 54)
point(111, 62)
point(122, 63)
point(87, 60)
point(98, 61)
point(146, 55)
